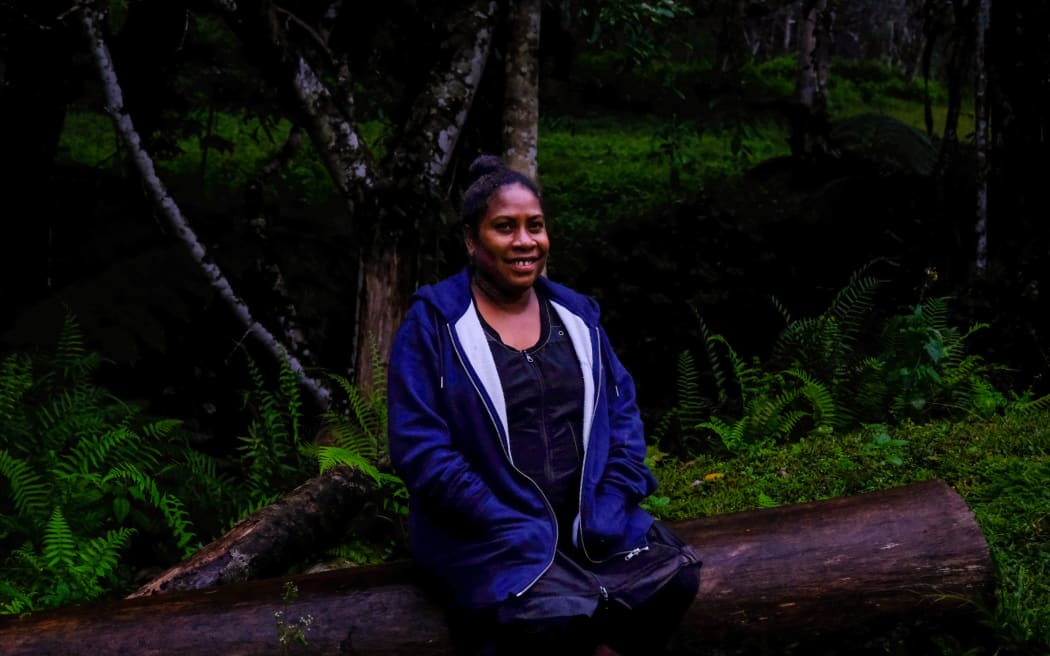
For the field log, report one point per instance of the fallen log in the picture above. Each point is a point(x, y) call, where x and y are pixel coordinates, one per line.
point(803, 568)
point(269, 541)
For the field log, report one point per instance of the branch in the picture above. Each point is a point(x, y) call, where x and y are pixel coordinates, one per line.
point(170, 211)
point(341, 146)
point(441, 109)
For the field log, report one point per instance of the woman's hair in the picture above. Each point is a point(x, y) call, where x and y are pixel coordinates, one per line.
point(487, 175)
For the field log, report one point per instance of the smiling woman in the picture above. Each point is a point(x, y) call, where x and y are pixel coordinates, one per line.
point(515, 428)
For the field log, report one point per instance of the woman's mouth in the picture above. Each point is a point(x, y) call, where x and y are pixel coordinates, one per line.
point(523, 263)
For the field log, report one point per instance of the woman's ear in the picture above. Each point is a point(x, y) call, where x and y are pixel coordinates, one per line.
point(468, 241)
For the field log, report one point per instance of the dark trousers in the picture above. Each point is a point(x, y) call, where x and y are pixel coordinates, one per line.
point(642, 630)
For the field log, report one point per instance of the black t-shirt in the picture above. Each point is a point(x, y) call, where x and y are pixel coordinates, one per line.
point(543, 389)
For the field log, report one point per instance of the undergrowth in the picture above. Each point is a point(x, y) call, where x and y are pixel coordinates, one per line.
point(999, 465)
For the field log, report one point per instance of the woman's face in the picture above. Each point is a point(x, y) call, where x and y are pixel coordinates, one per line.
point(510, 246)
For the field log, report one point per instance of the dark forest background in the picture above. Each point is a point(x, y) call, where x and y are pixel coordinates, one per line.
point(710, 168)
point(843, 186)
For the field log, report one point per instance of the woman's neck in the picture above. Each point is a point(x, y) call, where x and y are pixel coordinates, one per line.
point(501, 300)
point(515, 319)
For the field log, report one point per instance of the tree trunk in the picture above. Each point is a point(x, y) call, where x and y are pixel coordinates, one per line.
point(803, 570)
point(980, 106)
point(521, 102)
point(172, 214)
point(390, 202)
point(268, 542)
point(810, 127)
point(814, 56)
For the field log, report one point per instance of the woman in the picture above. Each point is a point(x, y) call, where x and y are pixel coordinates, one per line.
point(515, 428)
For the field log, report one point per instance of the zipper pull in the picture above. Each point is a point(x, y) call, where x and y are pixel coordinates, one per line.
point(527, 357)
point(603, 592)
point(634, 552)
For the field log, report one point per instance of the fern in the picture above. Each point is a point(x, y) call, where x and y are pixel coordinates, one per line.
point(77, 478)
point(333, 456)
point(838, 370)
point(362, 427)
point(15, 381)
point(28, 489)
point(271, 449)
point(358, 436)
point(59, 544)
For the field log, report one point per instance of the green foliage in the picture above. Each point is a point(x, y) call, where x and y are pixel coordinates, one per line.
point(291, 633)
point(78, 479)
point(925, 364)
point(636, 28)
point(598, 172)
point(773, 78)
point(271, 455)
point(870, 80)
point(357, 437)
point(838, 370)
point(999, 464)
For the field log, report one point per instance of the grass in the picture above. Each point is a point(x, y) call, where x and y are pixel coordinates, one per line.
point(625, 166)
point(1001, 468)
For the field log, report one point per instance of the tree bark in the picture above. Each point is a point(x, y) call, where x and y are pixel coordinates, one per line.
point(268, 542)
point(981, 147)
point(169, 209)
point(803, 570)
point(388, 199)
point(521, 101)
point(406, 208)
point(814, 56)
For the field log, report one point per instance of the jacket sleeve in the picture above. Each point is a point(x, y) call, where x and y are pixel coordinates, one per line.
point(626, 480)
point(421, 448)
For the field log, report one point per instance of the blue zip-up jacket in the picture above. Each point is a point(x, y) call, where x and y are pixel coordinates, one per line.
point(478, 523)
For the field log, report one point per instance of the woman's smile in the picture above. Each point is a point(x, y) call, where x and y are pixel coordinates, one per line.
point(510, 246)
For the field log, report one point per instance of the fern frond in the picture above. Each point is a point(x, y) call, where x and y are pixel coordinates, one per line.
point(76, 412)
point(16, 379)
point(93, 452)
point(100, 555)
point(139, 484)
point(690, 408)
point(59, 543)
point(825, 410)
point(13, 601)
point(711, 340)
point(29, 491)
point(178, 521)
point(161, 429)
point(781, 310)
point(71, 357)
point(731, 436)
point(332, 456)
point(289, 388)
point(1041, 404)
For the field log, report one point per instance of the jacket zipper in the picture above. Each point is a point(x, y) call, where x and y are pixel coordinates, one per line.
point(630, 553)
point(506, 453)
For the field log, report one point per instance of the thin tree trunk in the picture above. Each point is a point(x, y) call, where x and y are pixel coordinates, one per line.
point(805, 570)
point(521, 101)
point(814, 57)
point(980, 104)
point(169, 209)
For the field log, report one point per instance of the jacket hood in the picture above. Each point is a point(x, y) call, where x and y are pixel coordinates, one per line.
point(452, 298)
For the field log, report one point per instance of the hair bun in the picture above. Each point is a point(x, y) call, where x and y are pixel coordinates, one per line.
point(484, 165)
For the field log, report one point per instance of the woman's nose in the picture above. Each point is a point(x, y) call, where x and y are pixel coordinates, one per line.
point(523, 237)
